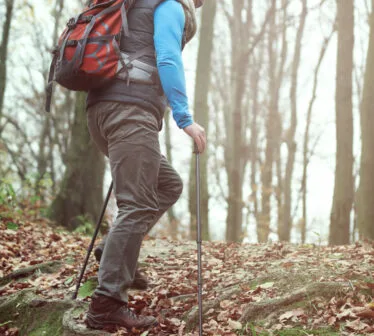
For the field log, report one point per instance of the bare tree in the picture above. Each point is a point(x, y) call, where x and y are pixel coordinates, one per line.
point(233, 102)
point(365, 194)
point(273, 125)
point(81, 191)
point(236, 152)
point(201, 109)
point(254, 155)
point(173, 220)
point(306, 140)
point(9, 4)
point(343, 190)
point(285, 225)
point(45, 158)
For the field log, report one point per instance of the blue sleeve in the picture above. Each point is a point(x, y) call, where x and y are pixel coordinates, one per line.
point(169, 23)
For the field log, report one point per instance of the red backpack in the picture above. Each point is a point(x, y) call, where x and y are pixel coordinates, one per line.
point(88, 54)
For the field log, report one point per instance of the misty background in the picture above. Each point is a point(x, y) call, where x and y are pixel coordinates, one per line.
point(269, 30)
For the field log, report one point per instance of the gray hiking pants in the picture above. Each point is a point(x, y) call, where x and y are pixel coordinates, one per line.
point(145, 186)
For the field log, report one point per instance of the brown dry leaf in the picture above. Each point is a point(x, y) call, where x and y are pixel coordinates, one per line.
point(267, 285)
point(370, 285)
point(298, 312)
point(181, 328)
point(223, 316)
point(356, 325)
point(331, 320)
point(235, 325)
point(369, 330)
point(213, 323)
point(175, 321)
point(278, 326)
point(366, 313)
point(371, 305)
point(287, 265)
point(286, 316)
point(345, 314)
point(225, 304)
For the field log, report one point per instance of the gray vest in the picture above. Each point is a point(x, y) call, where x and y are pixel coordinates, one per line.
point(141, 26)
point(151, 97)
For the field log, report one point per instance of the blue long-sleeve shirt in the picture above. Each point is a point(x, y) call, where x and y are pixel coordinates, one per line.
point(169, 21)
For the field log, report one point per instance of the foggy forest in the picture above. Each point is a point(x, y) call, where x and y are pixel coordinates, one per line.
point(283, 89)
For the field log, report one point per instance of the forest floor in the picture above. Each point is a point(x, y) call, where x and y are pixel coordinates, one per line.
point(248, 289)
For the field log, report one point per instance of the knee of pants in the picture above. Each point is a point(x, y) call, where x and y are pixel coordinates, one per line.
point(134, 220)
point(177, 189)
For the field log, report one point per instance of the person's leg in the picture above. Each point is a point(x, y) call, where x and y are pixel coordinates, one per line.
point(134, 155)
point(169, 189)
point(131, 135)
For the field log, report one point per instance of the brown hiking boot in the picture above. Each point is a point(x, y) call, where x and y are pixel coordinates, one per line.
point(140, 281)
point(98, 251)
point(104, 313)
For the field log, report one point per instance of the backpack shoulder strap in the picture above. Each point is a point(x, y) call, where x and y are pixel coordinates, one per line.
point(49, 88)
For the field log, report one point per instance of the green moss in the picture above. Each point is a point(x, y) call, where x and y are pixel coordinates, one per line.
point(51, 326)
point(299, 332)
point(251, 330)
point(32, 316)
point(70, 260)
point(45, 320)
point(12, 306)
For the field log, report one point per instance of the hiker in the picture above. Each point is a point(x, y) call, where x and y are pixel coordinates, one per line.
point(124, 118)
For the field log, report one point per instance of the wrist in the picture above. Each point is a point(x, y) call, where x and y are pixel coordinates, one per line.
point(186, 124)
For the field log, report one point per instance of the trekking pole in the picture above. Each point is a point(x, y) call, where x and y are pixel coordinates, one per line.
point(198, 218)
point(93, 241)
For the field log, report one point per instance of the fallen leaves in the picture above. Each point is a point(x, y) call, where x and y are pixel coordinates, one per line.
point(235, 325)
point(172, 270)
point(292, 315)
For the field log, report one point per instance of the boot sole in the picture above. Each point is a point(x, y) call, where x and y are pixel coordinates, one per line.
point(92, 323)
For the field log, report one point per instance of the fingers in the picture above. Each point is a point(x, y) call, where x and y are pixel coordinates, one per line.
point(197, 133)
point(203, 143)
point(199, 144)
point(202, 138)
point(200, 141)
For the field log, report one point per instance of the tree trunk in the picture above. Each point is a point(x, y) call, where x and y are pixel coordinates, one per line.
point(285, 225)
point(306, 150)
point(253, 145)
point(272, 135)
point(343, 191)
point(201, 108)
point(81, 192)
point(3, 52)
point(45, 156)
point(365, 201)
point(236, 148)
point(42, 163)
point(173, 220)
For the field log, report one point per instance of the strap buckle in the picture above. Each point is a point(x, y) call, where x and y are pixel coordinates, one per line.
point(71, 23)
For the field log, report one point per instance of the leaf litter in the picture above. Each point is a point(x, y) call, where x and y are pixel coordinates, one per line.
point(252, 273)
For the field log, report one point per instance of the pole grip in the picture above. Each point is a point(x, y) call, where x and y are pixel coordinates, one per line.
point(195, 149)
